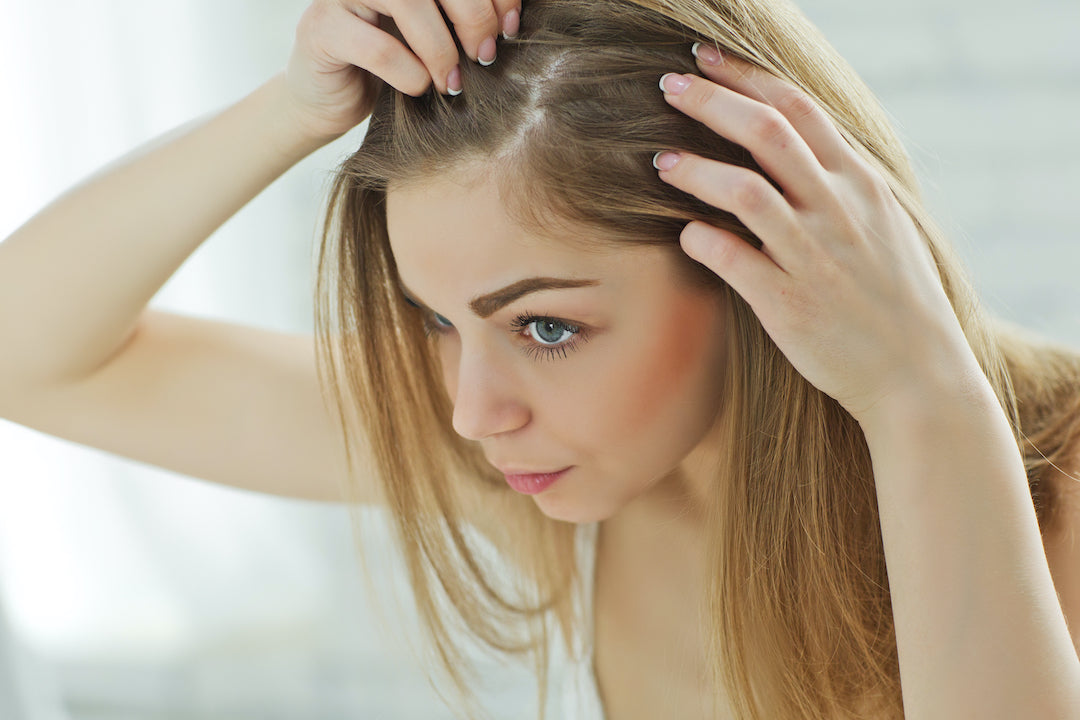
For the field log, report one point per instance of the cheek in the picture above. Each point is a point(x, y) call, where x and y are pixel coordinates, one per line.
point(668, 385)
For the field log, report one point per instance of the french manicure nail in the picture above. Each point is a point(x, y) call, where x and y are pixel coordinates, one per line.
point(665, 160)
point(673, 83)
point(707, 54)
point(453, 81)
point(511, 24)
point(485, 54)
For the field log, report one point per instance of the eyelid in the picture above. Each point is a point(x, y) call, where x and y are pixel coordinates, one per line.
point(519, 326)
point(424, 308)
point(540, 350)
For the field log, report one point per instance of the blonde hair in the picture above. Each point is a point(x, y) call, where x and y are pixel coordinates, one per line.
point(798, 610)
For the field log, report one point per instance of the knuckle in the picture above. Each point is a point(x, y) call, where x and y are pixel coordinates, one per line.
point(867, 174)
point(796, 104)
point(725, 255)
point(313, 18)
point(381, 52)
point(478, 16)
point(701, 96)
point(475, 23)
point(749, 192)
point(879, 187)
point(881, 193)
point(716, 254)
point(769, 127)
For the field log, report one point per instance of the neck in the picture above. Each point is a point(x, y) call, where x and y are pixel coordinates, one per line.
point(681, 499)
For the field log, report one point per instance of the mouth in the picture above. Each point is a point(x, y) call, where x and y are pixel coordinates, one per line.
point(532, 483)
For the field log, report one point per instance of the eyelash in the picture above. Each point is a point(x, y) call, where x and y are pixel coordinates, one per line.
point(520, 325)
point(538, 350)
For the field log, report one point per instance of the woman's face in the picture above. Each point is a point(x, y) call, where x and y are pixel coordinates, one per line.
point(602, 360)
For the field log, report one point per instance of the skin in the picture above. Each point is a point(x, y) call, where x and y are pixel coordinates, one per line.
point(630, 402)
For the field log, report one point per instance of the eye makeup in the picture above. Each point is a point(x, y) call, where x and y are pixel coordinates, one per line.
point(546, 337)
point(541, 328)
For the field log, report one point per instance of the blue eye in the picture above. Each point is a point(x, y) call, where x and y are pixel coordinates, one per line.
point(548, 331)
point(551, 336)
point(433, 321)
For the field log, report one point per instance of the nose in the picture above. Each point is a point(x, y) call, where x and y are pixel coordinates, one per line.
point(486, 398)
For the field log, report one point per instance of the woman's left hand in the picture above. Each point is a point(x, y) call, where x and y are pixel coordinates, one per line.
point(844, 284)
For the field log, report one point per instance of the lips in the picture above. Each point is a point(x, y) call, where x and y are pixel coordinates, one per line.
point(534, 482)
point(518, 471)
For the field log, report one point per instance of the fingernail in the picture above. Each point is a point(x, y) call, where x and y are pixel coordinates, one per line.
point(665, 160)
point(485, 54)
point(453, 81)
point(673, 83)
point(707, 54)
point(511, 24)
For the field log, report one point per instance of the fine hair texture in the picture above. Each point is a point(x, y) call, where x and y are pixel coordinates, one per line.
point(798, 611)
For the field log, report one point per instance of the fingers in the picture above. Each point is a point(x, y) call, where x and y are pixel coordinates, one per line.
point(477, 24)
point(741, 192)
point(748, 271)
point(426, 34)
point(351, 39)
point(510, 12)
point(761, 129)
point(811, 122)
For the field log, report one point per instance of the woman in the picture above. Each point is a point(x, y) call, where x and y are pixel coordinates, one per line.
point(750, 371)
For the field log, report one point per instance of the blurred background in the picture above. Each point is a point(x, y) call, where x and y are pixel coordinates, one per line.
point(129, 592)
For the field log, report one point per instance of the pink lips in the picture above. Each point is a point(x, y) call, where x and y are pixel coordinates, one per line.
point(533, 483)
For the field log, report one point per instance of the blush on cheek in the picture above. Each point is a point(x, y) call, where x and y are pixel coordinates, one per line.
point(669, 385)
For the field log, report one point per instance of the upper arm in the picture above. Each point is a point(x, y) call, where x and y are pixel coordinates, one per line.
point(223, 402)
point(231, 404)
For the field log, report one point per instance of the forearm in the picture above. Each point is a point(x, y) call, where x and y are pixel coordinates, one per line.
point(980, 632)
point(75, 278)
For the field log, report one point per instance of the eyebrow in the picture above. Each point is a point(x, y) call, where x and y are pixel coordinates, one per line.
point(487, 305)
point(484, 306)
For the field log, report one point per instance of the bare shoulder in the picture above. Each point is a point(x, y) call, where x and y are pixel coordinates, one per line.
point(1062, 541)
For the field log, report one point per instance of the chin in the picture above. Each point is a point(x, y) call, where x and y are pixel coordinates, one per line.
point(565, 509)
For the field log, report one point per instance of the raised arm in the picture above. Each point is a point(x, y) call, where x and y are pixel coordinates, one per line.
point(847, 289)
point(75, 279)
point(82, 357)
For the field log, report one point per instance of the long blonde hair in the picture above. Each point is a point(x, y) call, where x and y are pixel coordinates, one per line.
point(799, 614)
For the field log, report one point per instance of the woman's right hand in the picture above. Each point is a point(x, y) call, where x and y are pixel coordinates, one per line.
point(340, 48)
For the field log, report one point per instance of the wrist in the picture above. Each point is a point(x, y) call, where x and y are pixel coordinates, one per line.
point(290, 134)
point(933, 400)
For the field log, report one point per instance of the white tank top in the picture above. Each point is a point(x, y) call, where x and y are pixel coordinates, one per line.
point(580, 693)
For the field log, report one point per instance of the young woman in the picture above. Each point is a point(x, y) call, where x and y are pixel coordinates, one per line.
point(647, 297)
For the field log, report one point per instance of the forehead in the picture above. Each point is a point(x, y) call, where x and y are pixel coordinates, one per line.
point(453, 231)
